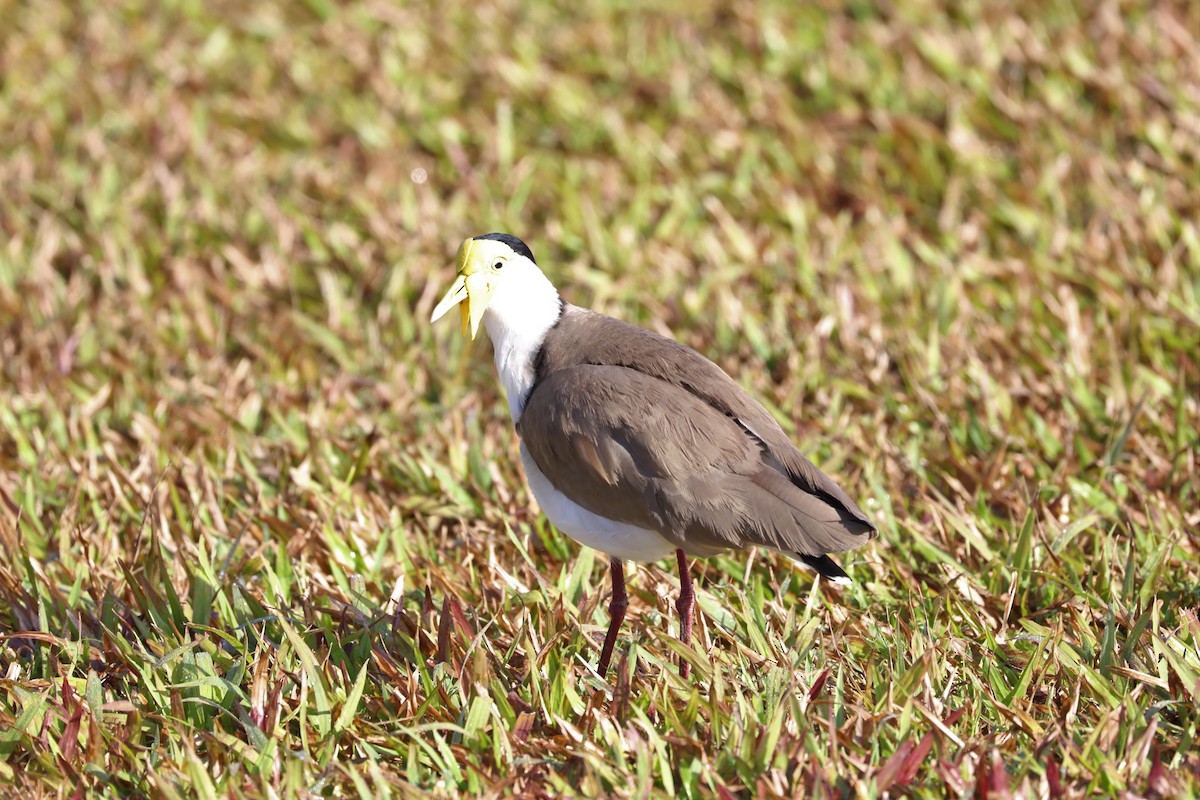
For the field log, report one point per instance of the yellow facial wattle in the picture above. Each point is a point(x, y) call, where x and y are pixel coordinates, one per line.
point(472, 288)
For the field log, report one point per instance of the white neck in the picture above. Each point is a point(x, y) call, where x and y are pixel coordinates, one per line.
point(524, 307)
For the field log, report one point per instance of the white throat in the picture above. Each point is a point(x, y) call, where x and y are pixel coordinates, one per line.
point(523, 309)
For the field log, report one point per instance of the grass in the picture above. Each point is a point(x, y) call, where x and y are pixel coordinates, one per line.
point(264, 531)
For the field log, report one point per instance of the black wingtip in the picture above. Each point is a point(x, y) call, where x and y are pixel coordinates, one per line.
point(827, 568)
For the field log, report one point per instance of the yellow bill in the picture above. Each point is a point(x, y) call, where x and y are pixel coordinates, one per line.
point(456, 295)
point(472, 288)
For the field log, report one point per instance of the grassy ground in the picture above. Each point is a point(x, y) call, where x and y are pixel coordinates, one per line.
point(263, 529)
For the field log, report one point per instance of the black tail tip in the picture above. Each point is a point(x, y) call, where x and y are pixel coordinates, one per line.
point(827, 568)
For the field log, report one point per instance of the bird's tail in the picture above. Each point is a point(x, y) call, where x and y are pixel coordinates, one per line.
point(827, 568)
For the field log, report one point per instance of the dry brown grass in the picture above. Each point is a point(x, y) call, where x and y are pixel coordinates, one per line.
point(264, 528)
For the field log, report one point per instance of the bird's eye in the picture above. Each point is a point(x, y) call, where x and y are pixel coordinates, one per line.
point(499, 263)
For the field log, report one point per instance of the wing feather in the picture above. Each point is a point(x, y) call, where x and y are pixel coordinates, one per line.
point(649, 452)
point(588, 338)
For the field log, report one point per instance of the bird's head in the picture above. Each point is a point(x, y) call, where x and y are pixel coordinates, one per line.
point(492, 271)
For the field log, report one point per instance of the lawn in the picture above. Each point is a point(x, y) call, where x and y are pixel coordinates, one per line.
point(263, 527)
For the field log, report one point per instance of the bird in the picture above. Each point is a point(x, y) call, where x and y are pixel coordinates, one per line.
point(639, 446)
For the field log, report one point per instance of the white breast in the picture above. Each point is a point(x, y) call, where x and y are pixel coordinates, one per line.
point(617, 539)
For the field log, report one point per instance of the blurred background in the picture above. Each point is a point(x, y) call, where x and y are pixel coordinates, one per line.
point(953, 246)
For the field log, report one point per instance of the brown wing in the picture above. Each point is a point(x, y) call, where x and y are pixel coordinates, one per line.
point(586, 338)
point(648, 452)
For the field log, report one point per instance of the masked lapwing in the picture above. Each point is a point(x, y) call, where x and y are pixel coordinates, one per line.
point(637, 445)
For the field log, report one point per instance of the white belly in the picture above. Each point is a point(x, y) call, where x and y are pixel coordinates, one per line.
point(617, 539)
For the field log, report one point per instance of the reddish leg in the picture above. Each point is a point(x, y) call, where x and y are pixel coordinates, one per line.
point(687, 599)
point(616, 613)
